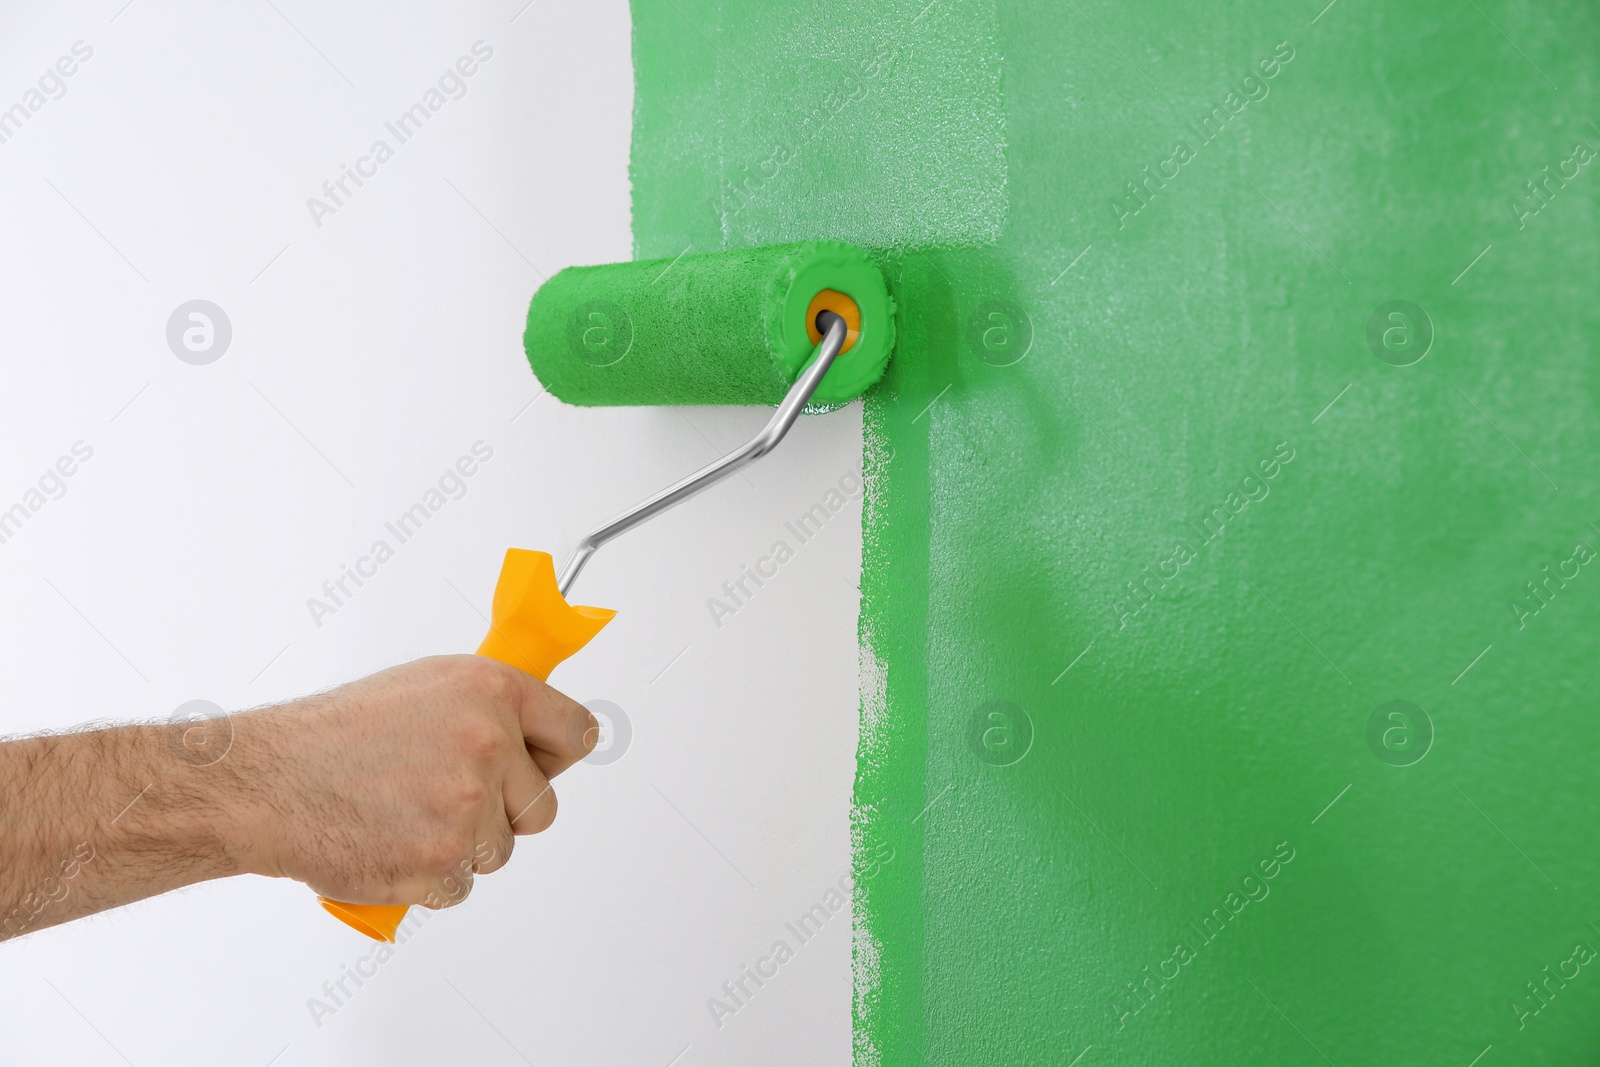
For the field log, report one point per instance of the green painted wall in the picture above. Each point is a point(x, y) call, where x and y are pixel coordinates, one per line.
point(1159, 526)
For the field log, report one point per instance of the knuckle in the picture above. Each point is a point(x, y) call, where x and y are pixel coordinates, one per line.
point(479, 737)
point(466, 793)
point(489, 680)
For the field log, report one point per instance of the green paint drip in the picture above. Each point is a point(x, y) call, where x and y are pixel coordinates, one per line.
point(1149, 512)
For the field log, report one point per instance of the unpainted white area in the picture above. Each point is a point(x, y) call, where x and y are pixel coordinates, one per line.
point(374, 341)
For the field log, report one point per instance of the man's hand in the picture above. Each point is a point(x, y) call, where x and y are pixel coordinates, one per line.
point(398, 788)
point(395, 789)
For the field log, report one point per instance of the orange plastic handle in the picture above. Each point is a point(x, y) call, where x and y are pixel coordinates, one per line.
point(532, 628)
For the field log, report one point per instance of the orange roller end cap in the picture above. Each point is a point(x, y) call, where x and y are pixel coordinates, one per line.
point(841, 305)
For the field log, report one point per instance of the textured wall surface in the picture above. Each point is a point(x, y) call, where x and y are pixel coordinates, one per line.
point(1229, 600)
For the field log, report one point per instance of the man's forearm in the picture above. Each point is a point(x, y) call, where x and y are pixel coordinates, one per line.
point(97, 819)
point(396, 789)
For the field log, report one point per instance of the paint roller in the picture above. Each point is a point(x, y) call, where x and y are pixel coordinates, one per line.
point(801, 326)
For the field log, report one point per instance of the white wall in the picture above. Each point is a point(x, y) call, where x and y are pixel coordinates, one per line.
point(367, 355)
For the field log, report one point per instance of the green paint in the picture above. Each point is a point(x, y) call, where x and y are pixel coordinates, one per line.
point(1199, 361)
point(727, 327)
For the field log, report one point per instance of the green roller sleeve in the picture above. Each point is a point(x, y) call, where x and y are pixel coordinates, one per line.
point(718, 328)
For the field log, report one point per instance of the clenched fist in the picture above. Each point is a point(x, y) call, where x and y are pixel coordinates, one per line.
point(396, 789)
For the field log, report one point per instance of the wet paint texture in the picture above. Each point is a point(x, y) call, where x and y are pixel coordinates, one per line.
point(1156, 534)
point(723, 328)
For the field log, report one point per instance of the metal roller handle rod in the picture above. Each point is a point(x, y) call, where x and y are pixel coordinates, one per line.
point(788, 411)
